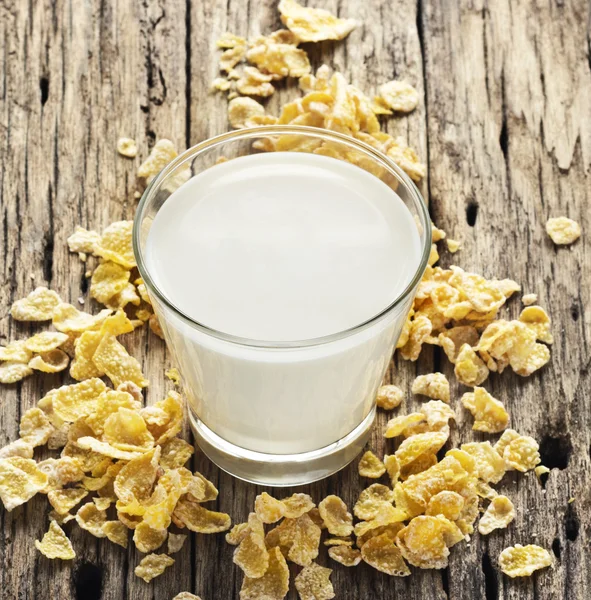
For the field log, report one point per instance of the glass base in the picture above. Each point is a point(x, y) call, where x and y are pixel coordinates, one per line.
point(281, 470)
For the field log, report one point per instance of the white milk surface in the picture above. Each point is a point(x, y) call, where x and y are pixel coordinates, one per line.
point(282, 247)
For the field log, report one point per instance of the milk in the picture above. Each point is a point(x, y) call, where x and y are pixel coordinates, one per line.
point(280, 249)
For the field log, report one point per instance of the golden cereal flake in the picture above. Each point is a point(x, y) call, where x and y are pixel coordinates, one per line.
point(489, 413)
point(135, 480)
point(241, 109)
point(470, 369)
point(53, 361)
point(451, 340)
point(397, 425)
point(336, 517)
point(562, 230)
point(498, 515)
point(529, 299)
point(35, 427)
point(169, 418)
point(199, 519)
point(297, 504)
point(345, 555)
point(116, 532)
point(305, 541)
point(389, 397)
point(64, 500)
point(379, 106)
point(522, 453)
point(273, 585)
point(420, 329)
point(485, 491)
point(268, 509)
point(71, 402)
point(432, 385)
point(231, 57)
point(453, 245)
point(371, 499)
point(314, 24)
point(161, 155)
point(68, 319)
point(446, 503)
point(37, 306)
point(173, 375)
point(116, 243)
point(254, 83)
point(382, 553)
point(536, 318)
point(127, 147)
point(61, 471)
point(278, 59)
point(147, 539)
point(313, 582)
point(400, 96)
point(152, 566)
point(175, 542)
point(419, 445)
point(16, 352)
point(522, 561)
point(175, 453)
point(238, 533)
point(438, 415)
point(46, 341)
point(252, 556)
point(126, 430)
point(107, 281)
point(221, 84)
point(20, 480)
point(392, 468)
point(490, 467)
point(108, 403)
point(83, 241)
point(337, 541)
point(91, 518)
point(541, 470)
point(186, 596)
point(55, 544)
point(12, 372)
point(112, 358)
point(371, 466)
point(407, 159)
point(426, 540)
point(17, 448)
point(230, 40)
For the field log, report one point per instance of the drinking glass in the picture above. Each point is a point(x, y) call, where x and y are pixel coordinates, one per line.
point(280, 413)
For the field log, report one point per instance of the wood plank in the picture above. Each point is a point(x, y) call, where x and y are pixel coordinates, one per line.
point(505, 126)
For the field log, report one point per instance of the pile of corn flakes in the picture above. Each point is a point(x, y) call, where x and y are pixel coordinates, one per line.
point(330, 102)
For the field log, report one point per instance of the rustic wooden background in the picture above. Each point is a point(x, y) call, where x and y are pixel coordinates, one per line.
point(505, 128)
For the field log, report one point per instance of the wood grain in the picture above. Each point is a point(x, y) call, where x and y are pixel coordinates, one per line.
point(505, 127)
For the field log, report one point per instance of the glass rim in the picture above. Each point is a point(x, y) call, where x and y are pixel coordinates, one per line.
point(265, 131)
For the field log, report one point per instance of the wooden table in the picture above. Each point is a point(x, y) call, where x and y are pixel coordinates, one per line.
point(505, 128)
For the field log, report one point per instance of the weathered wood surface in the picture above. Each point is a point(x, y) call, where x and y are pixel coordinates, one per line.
point(506, 129)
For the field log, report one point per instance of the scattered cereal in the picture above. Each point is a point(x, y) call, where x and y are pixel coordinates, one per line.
point(563, 231)
point(347, 556)
point(371, 466)
point(268, 509)
point(314, 24)
point(37, 306)
point(127, 147)
point(489, 414)
point(382, 553)
point(399, 96)
point(313, 582)
point(522, 561)
point(389, 397)
point(336, 517)
point(498, 515)
point(273, 585)
point(242, 109)
point(453, 245)
point(152, 566)
point(175, 542)
point(529, 299)
point(55, 544)
point(433, 385)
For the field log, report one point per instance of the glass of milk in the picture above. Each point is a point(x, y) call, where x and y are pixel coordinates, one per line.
point(281, 262)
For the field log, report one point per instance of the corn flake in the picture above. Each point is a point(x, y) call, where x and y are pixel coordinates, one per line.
point(252, 556)
point(254, 83)
point(83, 241)
point(314, 24)
point(522, 561)
point(382, 554)
point(152, 566)
point(397, 426)
point(175, 542)
point(135, 480)
point(273, 585)
point(116, 532)
point(433, 385)
point(108, 280)
point(127, 147)
point(16, 352)
point(71, 402)
point(17, 448)
point(563, 231)
point(470, 369)
point(242, 109)
point(55, 544)
point(115, 244)
point(345, 555)
point(46, 341)
point(92, 519)
point(389, 397)
point(20, 480)
point(199, 519)
point(268, 509)
point(536, 318)
point(147, 539)
point(490, 467)
point(451, 340)
point(419, 445)
point(371, 499)
point(399, 96)
point(313, 583)
point(175, 453)
point(126, 430)
point(371, 466)
point(522, 453)
point(37, 306)
point(35, 427)
point(336, 517)
point(278, 59)
point(529, 299)
point(68, 319)
point(12, 372)
point(489, 414)
point(392, 468)
point(420, 330)
point(297, 504)
point(446, 503)
point(64, 500)
point(165, 418)
point(498, 515)
point(112, 358)
point(53, 361)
